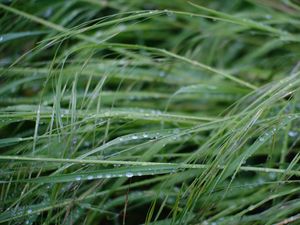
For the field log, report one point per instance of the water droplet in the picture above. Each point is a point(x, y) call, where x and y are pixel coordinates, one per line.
point(272, 175)
point(99, 33)
point(139, 174)
point(99, 176)
point(260, 181)
point(1, 38)
point(48, 12)
point(122, 27)
point(86, 144)
point(134, 137)
point(108, 176)
point(78, 178)
point(90, 177)
point(176, 131)
point(170, 14)
point(145, 136)
point(261, 139)
point(129, 174)
point(74, 141)
point(29, 211)
point(268, 16)
point(292, 133)
point(162, 74)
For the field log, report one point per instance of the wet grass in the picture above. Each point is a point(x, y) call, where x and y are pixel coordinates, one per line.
point(164, 112)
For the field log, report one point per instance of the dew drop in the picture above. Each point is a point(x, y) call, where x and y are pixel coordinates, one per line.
point(260, 181)
point(134, 137)
point(272, 175)
point(78, 178)
point(162, 74)
point(48, 12)
point(171, 200)
point(292, 133)
point(74, 141)
point(129, 174)
point(261, 139)
point(86, 144)
point(29, 211)
point(176, 131)
point(108, 176)
point(170, 14)
point(99, 33)
point(268, 16)
point(99, 176)
point(122, 27)
point(90, 177)
point(145, 136)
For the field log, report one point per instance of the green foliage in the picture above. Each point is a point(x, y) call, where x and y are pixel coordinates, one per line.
point(165, 112)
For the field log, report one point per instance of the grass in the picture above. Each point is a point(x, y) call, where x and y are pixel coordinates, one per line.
point(165, 112)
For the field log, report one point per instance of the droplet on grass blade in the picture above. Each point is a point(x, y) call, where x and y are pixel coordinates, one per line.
point(261, 139)
point(134, 137)
point(292, 133)
point(129, 174)
point(122, 27)
point(162, 74)
point(268, 16)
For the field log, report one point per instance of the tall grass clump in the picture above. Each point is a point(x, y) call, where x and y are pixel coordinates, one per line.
point(150, 112)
